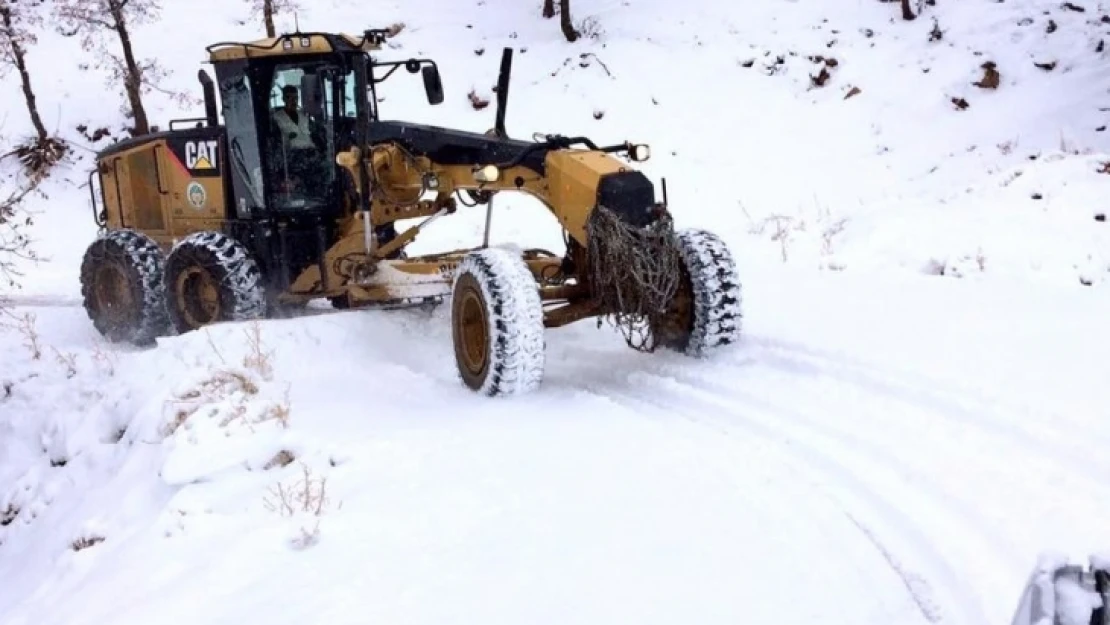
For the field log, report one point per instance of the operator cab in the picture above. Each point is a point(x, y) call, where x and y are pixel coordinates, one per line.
point(288, 107)
point(291, 104)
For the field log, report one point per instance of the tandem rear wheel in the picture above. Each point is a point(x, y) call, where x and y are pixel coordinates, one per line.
point(210, 277)
point(121, 287)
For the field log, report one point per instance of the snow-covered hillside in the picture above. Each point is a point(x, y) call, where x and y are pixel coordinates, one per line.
point(896, 177)
point(916, 412)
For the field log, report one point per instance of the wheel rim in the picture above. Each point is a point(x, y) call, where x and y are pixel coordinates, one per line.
point(198, 297)
point(471, 332)
point(112, 297)
point(678, 319)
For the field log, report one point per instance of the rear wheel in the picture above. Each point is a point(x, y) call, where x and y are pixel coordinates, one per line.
point(210, 277)
point(497, 324)
point(706, 313)
point(121, 286)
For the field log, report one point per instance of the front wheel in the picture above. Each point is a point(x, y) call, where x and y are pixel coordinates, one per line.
point(706, 312)
point(497, 324)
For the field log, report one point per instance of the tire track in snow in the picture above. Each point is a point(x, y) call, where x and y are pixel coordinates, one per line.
point(973, 407)
point(828, 475)
point(800, 424)
point(42, 301)
point(916, 586)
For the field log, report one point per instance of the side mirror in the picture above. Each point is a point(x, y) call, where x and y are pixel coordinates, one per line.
point(433, 87)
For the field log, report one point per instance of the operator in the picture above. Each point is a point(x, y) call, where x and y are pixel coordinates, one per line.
point(301, 153)
point(293, 122)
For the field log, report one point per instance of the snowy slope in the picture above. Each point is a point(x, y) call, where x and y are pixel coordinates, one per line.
point(887, 446)
point(894, 178)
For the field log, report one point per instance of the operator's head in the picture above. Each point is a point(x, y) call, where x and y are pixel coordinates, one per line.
point(289, 96)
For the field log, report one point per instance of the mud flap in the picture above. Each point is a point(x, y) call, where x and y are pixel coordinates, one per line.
point(1060, 592)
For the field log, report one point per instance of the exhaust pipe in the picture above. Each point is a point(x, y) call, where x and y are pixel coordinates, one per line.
point(209, 98)
point(503, 91)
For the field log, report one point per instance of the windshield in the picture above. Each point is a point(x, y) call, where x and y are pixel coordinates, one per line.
point(307, 128)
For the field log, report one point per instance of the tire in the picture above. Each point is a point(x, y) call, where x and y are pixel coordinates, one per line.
point(121, 287)
point(497, 324)
point(708, 306)
point(211, 278)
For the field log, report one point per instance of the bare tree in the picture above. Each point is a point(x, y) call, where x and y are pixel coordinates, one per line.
point(92, 19)
point(17, 21)
point(548, 9)
point(15, 245)
point(907, 12)
point(269, 8)
point(564, 21)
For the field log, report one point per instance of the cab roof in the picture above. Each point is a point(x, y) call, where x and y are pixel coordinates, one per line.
point(296, 43)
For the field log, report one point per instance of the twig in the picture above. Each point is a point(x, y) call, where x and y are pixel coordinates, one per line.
point(599, 61)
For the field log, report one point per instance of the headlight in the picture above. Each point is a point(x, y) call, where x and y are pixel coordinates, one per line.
point(640, 152)
point(489, 173)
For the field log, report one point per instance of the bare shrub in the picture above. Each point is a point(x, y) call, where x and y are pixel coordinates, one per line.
point(304, 497)
point(68, 361)
point(105, 359)
point(258, 358)
point(25, 325)
point(590, 27)
point(15, 244)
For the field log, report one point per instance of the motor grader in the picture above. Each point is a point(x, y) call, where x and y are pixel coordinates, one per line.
point(295, 195)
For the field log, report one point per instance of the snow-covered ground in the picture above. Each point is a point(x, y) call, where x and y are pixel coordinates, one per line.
point(897, 453)
point(915, 414)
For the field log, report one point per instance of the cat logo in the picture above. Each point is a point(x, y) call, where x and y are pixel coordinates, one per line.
point(201, 154)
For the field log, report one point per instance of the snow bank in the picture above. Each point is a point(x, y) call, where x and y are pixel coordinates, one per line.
point(98, 443)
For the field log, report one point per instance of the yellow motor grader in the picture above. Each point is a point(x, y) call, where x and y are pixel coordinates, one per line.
point(295, 196)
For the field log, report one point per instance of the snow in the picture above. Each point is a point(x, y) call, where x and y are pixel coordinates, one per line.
point(914, 416)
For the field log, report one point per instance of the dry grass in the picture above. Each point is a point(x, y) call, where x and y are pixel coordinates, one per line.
point(783, 227)
point(258, 358)
point(303, 497)
point(25, 325)
point(68, 361)
point(104, 359)
point(234, 387)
